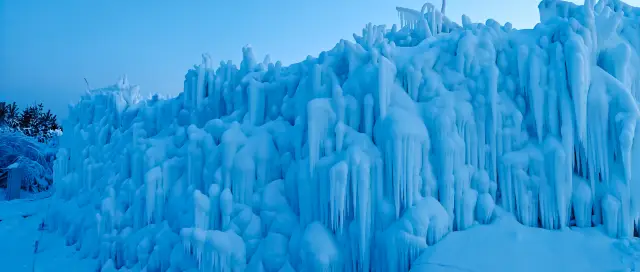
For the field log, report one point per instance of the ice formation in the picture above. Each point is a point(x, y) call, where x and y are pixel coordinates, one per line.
point(359, 159)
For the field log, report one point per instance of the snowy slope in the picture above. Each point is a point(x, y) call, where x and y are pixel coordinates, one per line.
point(364, 157)
point(507, 246)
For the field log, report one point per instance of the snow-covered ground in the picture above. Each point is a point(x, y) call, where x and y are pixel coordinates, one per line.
point(20, 229)
point(508, 246)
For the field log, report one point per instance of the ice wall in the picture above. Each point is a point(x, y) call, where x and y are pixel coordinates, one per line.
point(360, 158)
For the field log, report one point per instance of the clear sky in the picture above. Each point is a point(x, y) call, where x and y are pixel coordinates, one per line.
point(47, 47)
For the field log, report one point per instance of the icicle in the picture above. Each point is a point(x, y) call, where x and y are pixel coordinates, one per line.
point(386, 74)
point(536, 93)
point(152, 178)
point(611, 210)
point(200, 88)
point(257, 102)
point(577, 75)
point(364, 214)
point(582, 203)
point(243, 176)
point(226, 207)
point(202, 210)
point(340, 131)
point(368, 115)
point(231, 141)
point(214, 207)
point(321, 119)
point(400, 134)
point(338, 196)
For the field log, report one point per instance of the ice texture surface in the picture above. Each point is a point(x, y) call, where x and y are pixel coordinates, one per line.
point(363, 157)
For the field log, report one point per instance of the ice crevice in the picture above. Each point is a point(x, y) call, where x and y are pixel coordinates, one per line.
point(362, 157)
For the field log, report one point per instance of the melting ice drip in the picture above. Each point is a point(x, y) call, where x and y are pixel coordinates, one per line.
point(361, 158)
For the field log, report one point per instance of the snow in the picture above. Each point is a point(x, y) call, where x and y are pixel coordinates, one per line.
point(518, 248)
point(370, 155)
point(19, 230)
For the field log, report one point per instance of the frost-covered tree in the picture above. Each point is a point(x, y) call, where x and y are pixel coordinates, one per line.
point(49, 121)
point(3, 114)
point(33, 121)
point(27, 121)
point(12, 114)
point(30, 156)
point(28, 140)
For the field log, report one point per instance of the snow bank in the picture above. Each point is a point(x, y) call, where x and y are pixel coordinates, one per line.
point(363, 157)
point(507, 245)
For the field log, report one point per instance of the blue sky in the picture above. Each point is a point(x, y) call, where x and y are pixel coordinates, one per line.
point(47, 47)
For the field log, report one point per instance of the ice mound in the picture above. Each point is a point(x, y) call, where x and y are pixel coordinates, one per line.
point(359, 159)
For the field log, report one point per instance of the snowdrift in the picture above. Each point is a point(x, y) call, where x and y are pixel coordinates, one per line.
point(359, 159)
